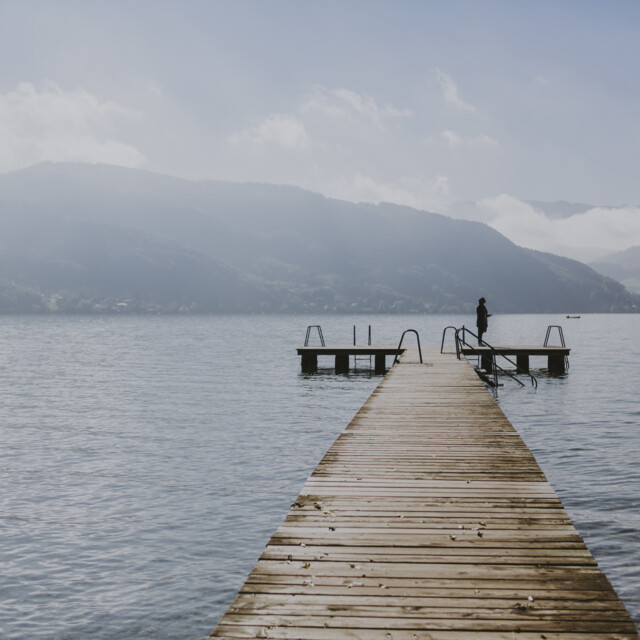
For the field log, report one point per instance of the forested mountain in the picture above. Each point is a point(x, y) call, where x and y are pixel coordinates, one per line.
point(81, 238)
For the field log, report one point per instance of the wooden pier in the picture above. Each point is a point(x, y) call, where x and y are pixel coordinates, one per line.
point(309, 360)
point(556, 356)
point(428, 519)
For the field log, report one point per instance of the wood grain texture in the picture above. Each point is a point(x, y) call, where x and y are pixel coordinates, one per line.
point(428, 518)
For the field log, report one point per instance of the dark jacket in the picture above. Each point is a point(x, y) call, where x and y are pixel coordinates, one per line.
point(482, 317)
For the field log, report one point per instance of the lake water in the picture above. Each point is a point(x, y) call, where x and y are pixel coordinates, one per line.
point(145, 461)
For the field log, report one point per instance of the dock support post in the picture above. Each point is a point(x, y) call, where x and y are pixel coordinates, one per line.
point(309, 363)
point(381, 363)
point(523, 363)
point(486, 363)
point(342, 363)
point(556, 364)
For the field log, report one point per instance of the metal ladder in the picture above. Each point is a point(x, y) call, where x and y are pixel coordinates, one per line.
point(357, 357)
point(562, 343)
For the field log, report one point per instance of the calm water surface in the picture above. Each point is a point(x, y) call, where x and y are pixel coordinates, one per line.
point(145, 462)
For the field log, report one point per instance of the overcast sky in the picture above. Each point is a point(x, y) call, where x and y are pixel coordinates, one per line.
point(424, 103)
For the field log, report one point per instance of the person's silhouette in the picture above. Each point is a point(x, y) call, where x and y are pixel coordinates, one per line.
point(482, 319)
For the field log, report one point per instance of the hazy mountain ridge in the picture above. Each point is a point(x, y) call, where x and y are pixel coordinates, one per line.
point(623, 266)
point(96, 237)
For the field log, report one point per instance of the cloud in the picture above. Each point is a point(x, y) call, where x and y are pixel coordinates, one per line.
point(282, 130)
point(356, 147)
point(350, 105)
point(58, 125)
point(154, 89)
point(412, 191)
point(450, 93)
point(454, 139)
point(583, 236)
point(519, 221)
point(612, 228)
point(451, 138)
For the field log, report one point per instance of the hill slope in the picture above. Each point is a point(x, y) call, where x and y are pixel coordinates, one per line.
point(101, 237)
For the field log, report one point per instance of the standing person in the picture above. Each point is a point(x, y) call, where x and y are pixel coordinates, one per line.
point(482, 319)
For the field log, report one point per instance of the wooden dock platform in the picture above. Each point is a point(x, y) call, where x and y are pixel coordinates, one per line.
point(556, 356)
point(428, 519)
point(342, 353)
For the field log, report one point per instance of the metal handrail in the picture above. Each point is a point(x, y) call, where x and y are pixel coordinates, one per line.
point(314, 326)
point(562, 343)
point(494, 353)
point(354, 335)
point(560, 333)
point(400, 344)
point(444, 333)
point(494, 364)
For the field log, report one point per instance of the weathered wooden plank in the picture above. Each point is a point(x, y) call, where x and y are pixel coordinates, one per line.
point(428, 608)
point(552, 581)
point(469, 570)
point(323, 587)
point(454, 610)
point(393, 554)
point(518, 622)
point(326, 633)
point(476, 555)
point(412, 541)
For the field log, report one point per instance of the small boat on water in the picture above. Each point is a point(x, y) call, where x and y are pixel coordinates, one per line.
point(573, 316)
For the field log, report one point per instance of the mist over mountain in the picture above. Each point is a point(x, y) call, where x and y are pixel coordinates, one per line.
point(623, 266)
point(83, 238)
point(555, 210)
point(560, 208)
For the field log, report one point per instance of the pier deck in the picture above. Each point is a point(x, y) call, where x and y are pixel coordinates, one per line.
point(428, 518)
